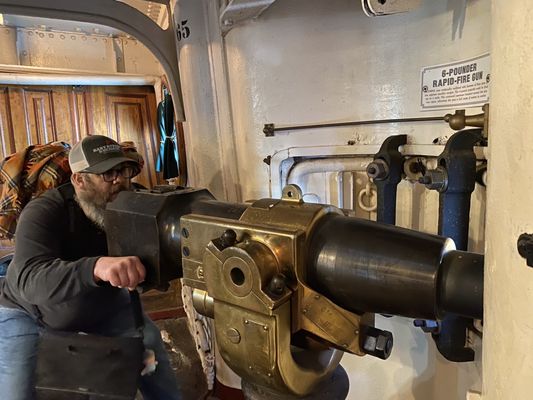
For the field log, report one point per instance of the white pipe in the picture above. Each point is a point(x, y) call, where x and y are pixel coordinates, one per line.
point(304, 168)
point(300, 170)
point(95, 80)
point(50, 70)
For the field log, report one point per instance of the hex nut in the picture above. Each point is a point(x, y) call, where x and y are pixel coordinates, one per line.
point(435, 179)
point(377, 343)
point(377, 169)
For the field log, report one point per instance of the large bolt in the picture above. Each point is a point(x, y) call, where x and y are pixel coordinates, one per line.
point(377, 343)
point(228, 238)
point(435, 179)
point(377, 169)
point(277, 284)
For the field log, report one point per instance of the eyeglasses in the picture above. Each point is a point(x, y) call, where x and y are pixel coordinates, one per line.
point(126, 172)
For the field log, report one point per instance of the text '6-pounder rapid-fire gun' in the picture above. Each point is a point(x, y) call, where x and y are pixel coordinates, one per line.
point(290, 285)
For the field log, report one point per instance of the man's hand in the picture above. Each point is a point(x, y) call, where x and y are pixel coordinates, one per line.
point(120, 271)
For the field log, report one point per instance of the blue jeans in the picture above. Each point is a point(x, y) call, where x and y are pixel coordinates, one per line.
point(19, 338)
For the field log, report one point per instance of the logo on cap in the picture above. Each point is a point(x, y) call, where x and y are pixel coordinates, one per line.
point(108, 148)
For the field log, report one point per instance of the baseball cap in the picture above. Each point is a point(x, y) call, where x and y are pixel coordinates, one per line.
point(97, 154)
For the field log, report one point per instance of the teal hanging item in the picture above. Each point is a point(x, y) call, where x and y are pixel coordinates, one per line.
point(168, 159)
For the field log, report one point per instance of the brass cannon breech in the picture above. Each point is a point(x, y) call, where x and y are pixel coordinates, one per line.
point(291, 285)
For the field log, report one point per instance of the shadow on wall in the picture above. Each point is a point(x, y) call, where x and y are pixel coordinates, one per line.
point(218, 189)
point(436, 382)
point(421, 387)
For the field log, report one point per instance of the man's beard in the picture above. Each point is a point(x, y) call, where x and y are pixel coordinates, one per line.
point(93, 201)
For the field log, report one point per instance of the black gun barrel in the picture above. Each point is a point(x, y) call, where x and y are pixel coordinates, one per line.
point(367, 266)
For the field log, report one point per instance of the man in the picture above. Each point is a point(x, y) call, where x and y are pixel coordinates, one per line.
point(62, 279)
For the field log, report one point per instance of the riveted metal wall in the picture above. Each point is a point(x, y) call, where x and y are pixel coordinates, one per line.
point(62, 50)
point(8, 44)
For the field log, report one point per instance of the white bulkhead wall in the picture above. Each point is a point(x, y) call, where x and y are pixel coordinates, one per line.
point(508, 339)
point(314, 61)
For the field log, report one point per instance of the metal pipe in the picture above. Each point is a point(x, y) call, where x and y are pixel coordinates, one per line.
point(457, 168)
point(387, 171)
point(270, 129)
point(458, 160)
point(74, 79)
point(31, 69)
point(301, 170)
point(454, 217)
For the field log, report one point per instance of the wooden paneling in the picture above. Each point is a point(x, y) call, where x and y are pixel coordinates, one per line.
point(62, 118)
point(42, 114)
point(7, 141)
point(40, 121)
point(19, 118)
point(79, 113)
point(130, 118)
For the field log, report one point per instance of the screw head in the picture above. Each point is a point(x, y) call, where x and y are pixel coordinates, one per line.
point(233, 335)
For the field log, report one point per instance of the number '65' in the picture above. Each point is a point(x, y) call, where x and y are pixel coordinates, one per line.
point(182, 31)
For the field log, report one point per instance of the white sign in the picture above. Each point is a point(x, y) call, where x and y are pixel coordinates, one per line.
point(459, 84)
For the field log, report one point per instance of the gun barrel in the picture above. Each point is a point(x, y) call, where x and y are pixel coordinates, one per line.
point(366, 266)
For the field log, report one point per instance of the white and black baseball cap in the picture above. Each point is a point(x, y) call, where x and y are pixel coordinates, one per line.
point(97, 154)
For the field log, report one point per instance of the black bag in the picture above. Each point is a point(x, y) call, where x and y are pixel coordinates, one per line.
point(97, 366)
